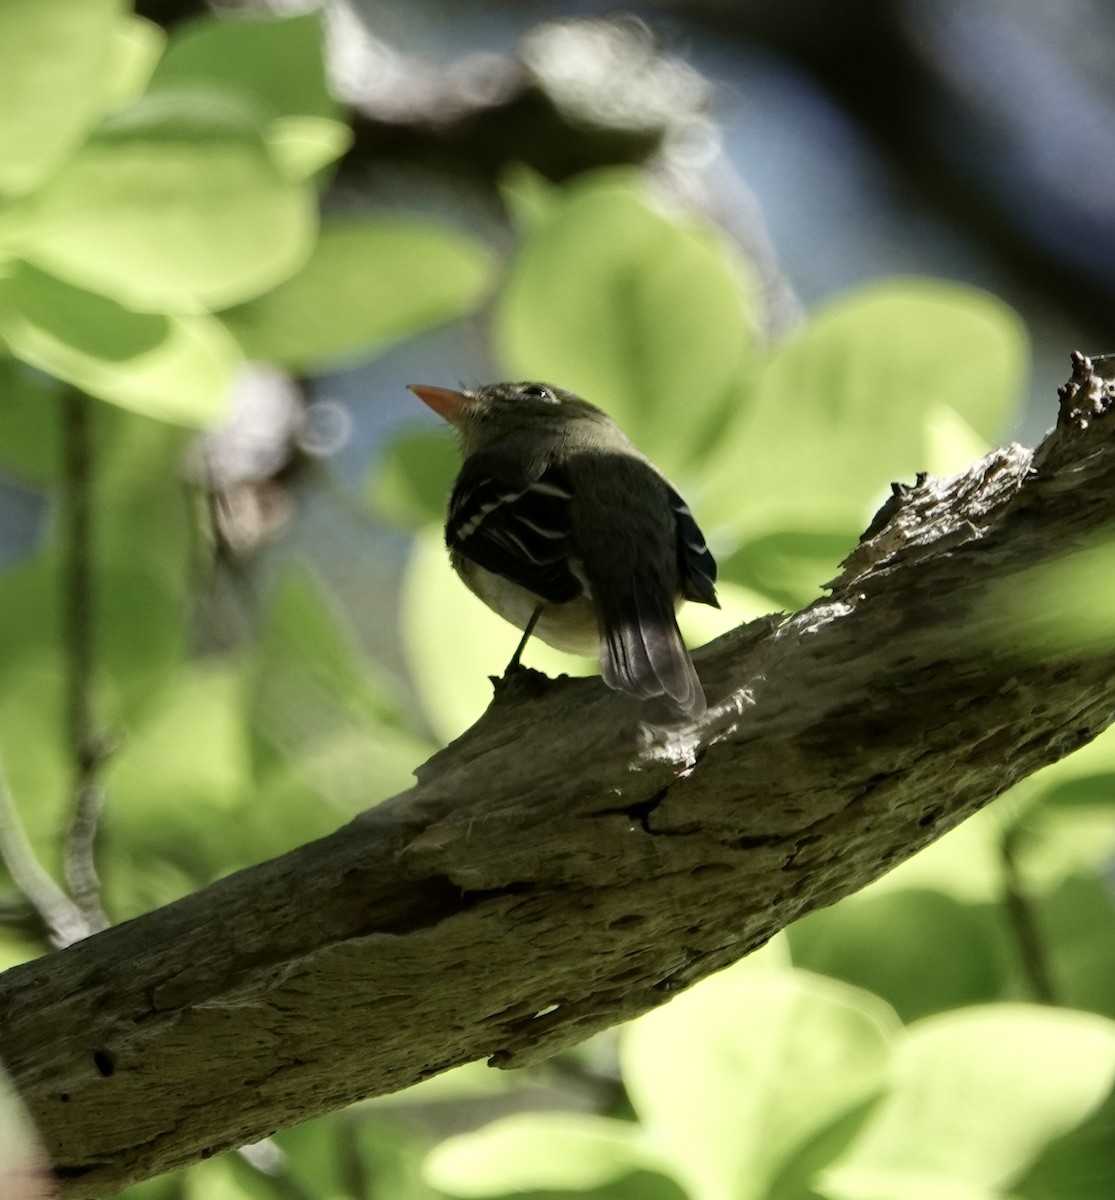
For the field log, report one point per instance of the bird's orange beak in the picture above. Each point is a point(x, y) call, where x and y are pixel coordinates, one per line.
point(452, 406)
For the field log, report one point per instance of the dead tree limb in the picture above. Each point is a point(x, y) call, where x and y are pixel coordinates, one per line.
point(562, 867)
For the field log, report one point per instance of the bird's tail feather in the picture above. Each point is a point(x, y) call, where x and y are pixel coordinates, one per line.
point(641, 652)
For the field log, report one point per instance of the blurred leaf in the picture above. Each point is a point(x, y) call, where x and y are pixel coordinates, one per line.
point(1086, 792)
point(921, 951)
point(33, 744)
point(1058, 606)
point(181, 833)
point(176, 369)
point(391, 1155)
point(978, 1094)
point(278, 60)
point(29, 442)
point(174, 204)
point(733, 1077)
point(136, 49)
point(642, 314)
point(220, 1179)
point(1077, 927)
point(301, 146)
point(1078, 1166)
point(410, 485)
point(54, 58)
point(788, 566)
point(534, 1152)
point(454, 642)
point(530, 198)
point(317, 707)
point(852, 391)
point(700, 623)
point(1054, 843)
point(951, 444)
point(367, 282)
point(138, 597)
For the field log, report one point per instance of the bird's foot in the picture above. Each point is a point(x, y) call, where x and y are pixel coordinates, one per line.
point(519, 683)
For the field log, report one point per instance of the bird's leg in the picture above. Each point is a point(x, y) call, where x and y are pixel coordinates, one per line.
point(513, 665)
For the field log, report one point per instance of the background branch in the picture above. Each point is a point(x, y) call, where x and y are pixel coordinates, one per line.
point(87, 743)
point(562, 866)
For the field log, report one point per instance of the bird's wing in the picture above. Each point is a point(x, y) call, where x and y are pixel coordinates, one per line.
point(518, 529)
point(696, 566)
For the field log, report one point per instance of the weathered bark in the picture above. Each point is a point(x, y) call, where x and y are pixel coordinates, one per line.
point(562, 867)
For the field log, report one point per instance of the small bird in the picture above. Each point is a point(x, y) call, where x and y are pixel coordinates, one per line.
point(562, 527)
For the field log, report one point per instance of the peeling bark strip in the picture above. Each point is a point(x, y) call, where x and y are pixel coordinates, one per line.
point(559, 868)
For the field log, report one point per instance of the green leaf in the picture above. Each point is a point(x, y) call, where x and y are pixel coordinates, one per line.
point(141, 568)
point(136, 49)
point(1078, 1166)
point(642, 314)
point(921, 951)
point(276, 60)
point(177, 369)
point(318, 709)
point(733, 1077)
point(842, 409)
point(29, 429)
point(301, 146)
point(1076, 924)
point(539, 1152)
point(978, 1094)
point(198, 822)
point(174, 204)
point(454, 642)
point(788, 566)
point(410, 484)
point(54, 58)
point(368, 282)
point(1058, 606)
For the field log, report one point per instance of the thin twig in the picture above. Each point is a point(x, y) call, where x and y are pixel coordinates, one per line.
point(1023, 919)
point(87, 745)
point(63, 920)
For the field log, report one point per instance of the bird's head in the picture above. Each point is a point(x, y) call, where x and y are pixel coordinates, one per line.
point(487, 414)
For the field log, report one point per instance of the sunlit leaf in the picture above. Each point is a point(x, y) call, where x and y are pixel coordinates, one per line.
point(301, 146)
point(318, 708)
point(136, 49)
point(841, 410)
point(643, 314)
point(368, 282)
point(53, 62)
point(1078, 1166)
point(978, 1094)
point(176, 837)
point(174, 204)
point(454, 642)
point(733, 1077)
point(177, 369)
point(536, 1152)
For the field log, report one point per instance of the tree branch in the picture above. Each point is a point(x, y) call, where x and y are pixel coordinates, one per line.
point(562, 867)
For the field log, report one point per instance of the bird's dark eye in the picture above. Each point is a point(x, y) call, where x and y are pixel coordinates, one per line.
point(537, 392)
